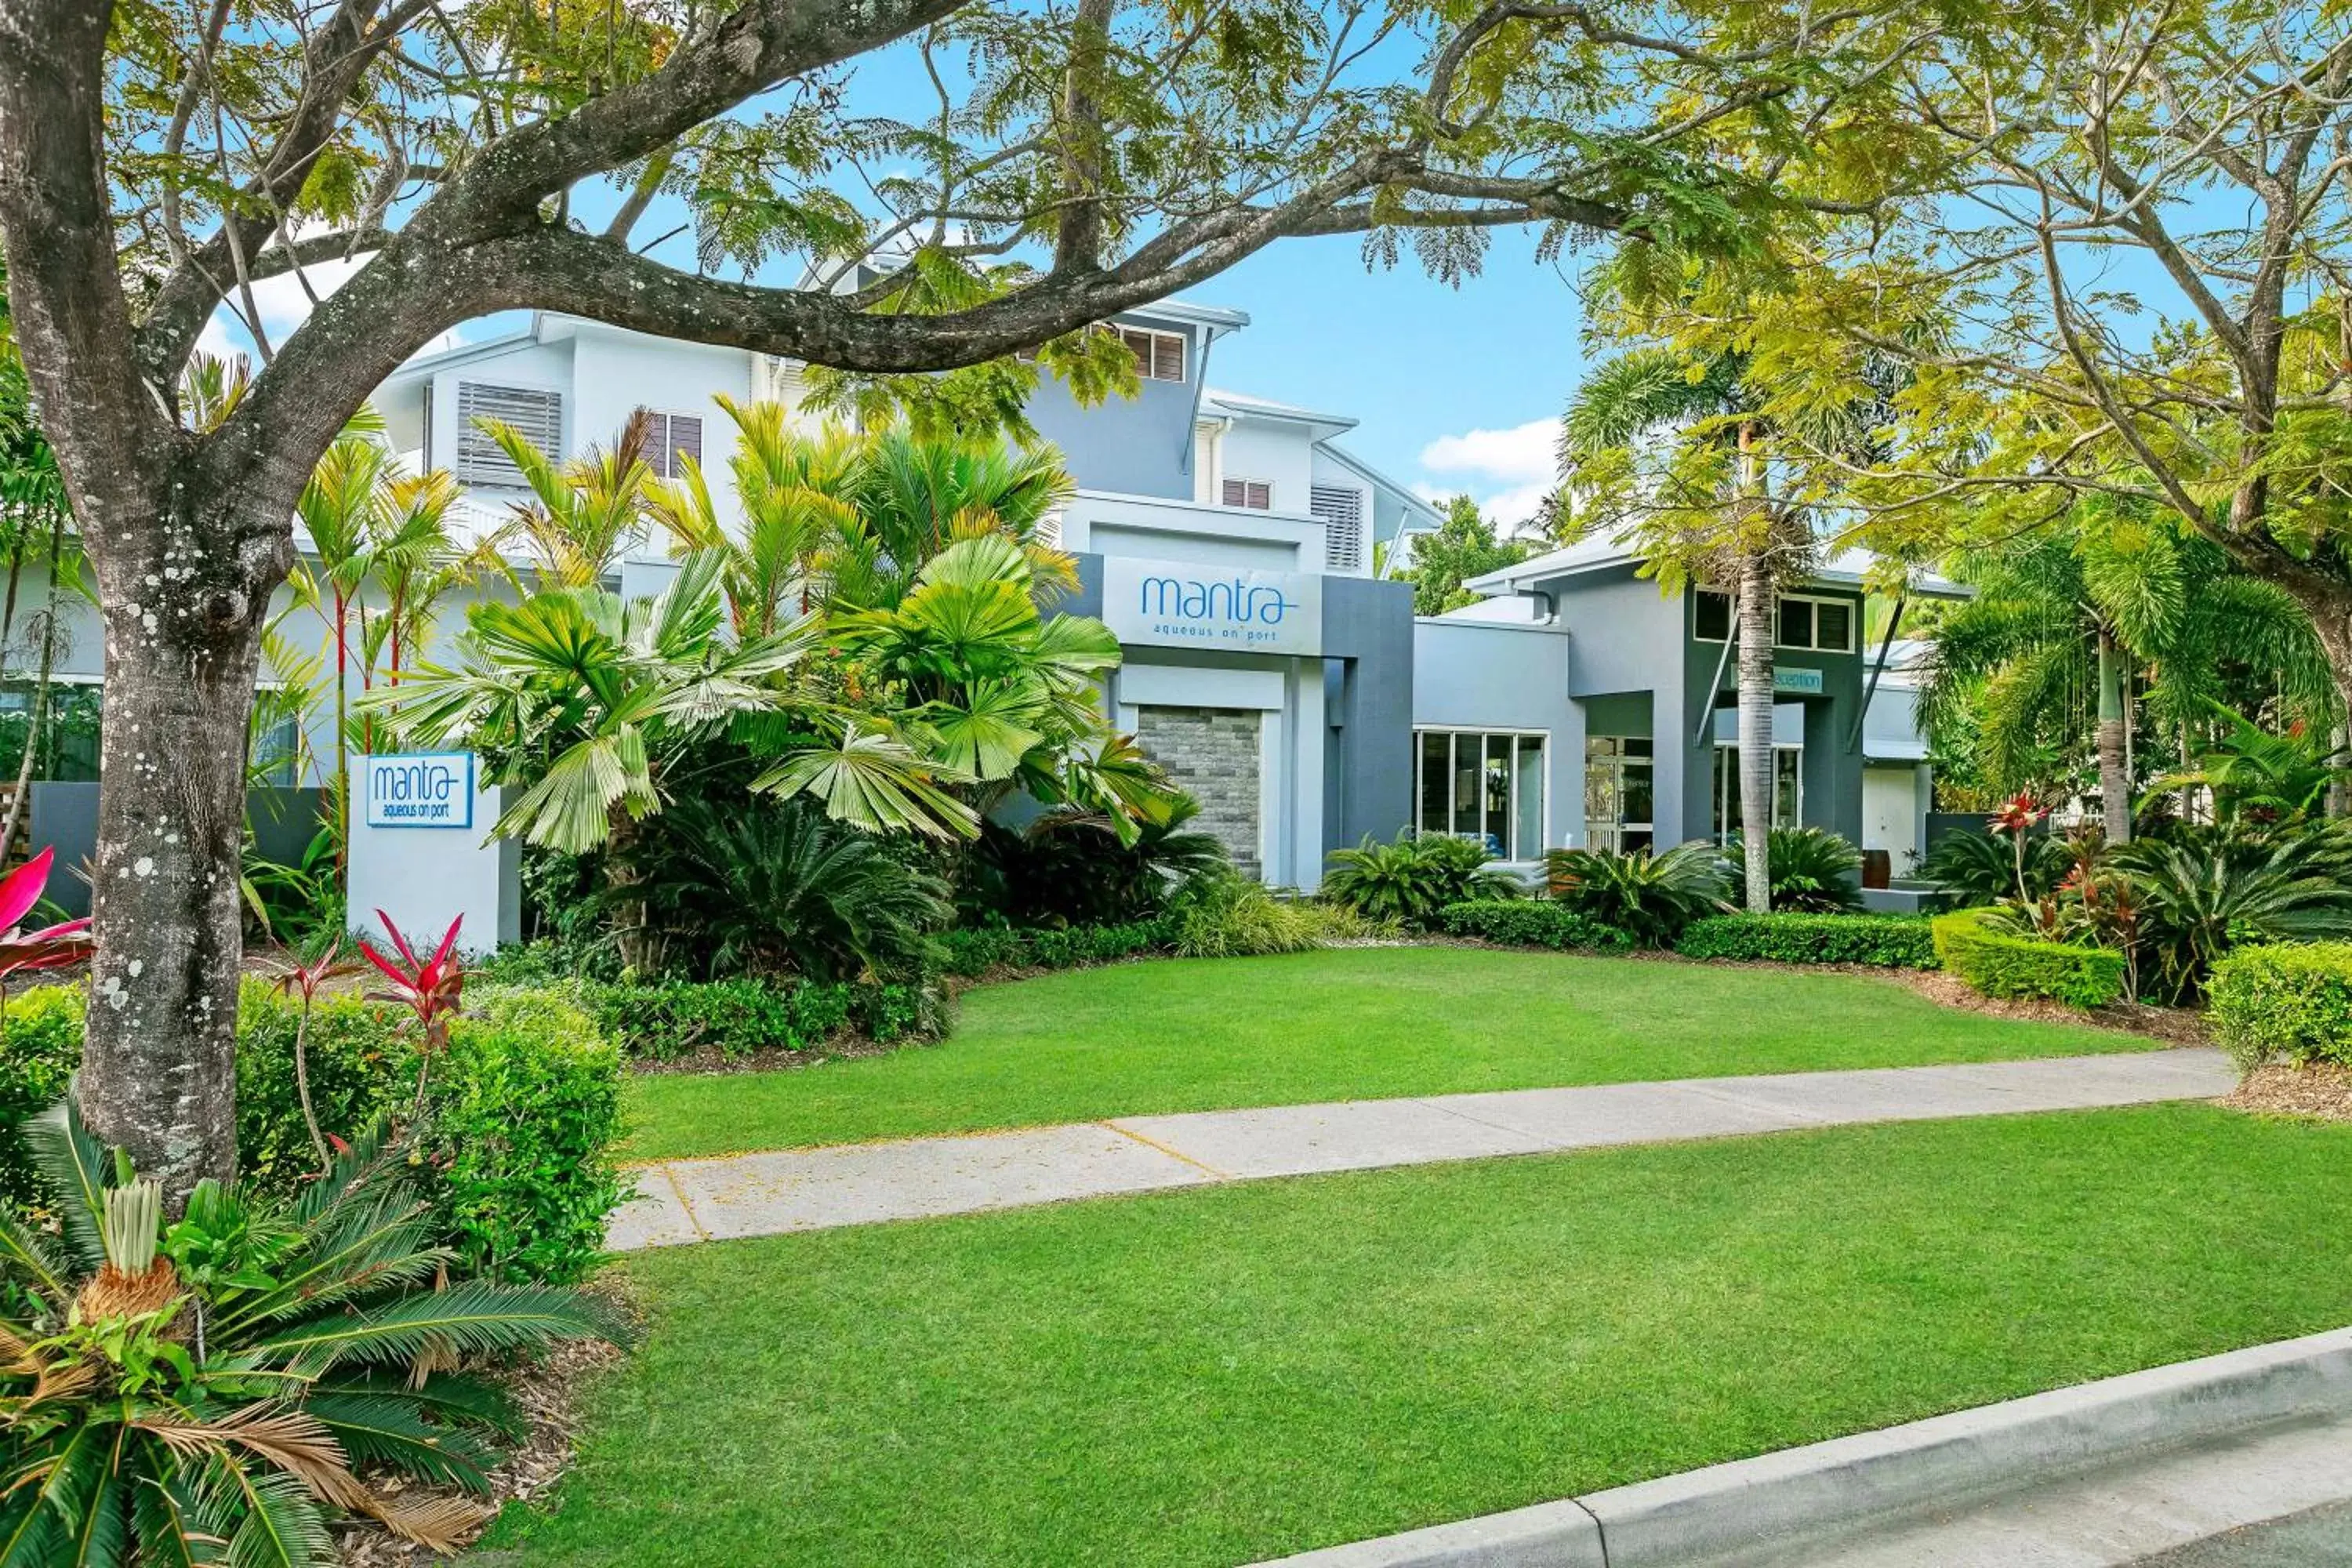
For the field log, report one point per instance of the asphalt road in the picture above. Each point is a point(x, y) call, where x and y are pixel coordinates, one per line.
point(2320, 1538)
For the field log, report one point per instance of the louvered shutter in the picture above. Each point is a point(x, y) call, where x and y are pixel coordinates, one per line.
point(535, 411)
point(1255, 494)
point(685, 441)
point(1167, 357)
point(1342, 512)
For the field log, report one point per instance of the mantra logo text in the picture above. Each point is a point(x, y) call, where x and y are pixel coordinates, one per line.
point(1252, 604)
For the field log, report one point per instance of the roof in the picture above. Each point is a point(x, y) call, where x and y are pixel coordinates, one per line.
point(1416, 507)
point(1241, 405)
point(1845, 569)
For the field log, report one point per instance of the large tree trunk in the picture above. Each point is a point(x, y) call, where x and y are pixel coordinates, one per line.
point(2115, 774)
point(159, 1059)
point(1756, 755)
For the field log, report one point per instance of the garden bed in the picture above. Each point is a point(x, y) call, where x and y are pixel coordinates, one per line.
point(1230, 1375)
point(2320, 1090)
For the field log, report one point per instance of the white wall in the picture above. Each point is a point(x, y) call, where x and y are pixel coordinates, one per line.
point(1893, 804)
point(1276, 450)
point(615, 373)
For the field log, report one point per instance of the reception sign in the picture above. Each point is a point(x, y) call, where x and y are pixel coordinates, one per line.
point(1170, 603)
point(420, 789)
point(1805, 682)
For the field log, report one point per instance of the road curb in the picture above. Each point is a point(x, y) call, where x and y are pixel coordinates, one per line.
point(1773, 1504)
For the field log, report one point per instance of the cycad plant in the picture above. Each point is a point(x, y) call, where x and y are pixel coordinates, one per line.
point(1649, 897)
point(202, 1391)
point(1813, 870)
point(1414, 878)
point(2204, 891)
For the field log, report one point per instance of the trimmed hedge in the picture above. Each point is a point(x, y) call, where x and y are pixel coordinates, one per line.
point(1886, 942)
point(2292, 1002)
point(664, 1020)
point(1529, 923)
point(970, 952)
point(520, 1113)
point(1998, 964)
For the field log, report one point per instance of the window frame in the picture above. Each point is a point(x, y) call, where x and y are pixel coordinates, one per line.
point(663, 456)
point(1724, 786)
point(1616, 762)
point(1852, 619)
point(1147, 356)
point(1531, 854)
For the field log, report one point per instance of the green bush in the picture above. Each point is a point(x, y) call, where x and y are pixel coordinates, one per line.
point(42, 1045)
point(524, 1110)
point(2292, 1002)
point(1886, 942)
point(1229, 918)
point(974, 951)
point(1998, 964)
point(1649, 897)
point(1519, 922)
point(521, 1112)
point(666, 1020)
point(1412, 879)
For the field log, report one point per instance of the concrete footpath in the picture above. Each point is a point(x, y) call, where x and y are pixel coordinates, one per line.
point(686, 1201)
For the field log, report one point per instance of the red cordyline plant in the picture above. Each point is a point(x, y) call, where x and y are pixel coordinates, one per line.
point(2016, 818)
point(25, 951)
point(302, 977)
point(430, 988)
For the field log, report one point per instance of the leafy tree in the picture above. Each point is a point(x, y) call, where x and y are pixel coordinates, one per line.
point(1462, 547)
point(155, 162)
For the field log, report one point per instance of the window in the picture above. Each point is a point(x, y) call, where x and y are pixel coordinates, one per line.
point(1824, 626)
point(535, 411)
point(1479, 785)
point(1158, 356)
point(1619, 793)
point(1255, 494)
point(1342, 512)
point(668, 437)
point(1788, 789)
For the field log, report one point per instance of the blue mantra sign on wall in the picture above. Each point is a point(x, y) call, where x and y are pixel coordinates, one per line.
point(420, 789)
point(1169, 603)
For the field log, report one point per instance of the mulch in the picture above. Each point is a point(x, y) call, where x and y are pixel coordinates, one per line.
point(2321, 1090)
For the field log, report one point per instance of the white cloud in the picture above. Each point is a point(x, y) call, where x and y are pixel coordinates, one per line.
point(1508, 472)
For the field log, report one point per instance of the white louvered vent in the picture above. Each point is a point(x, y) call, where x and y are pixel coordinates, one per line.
point(1342, 512)
point(1255, 494)
point(536, 411)
point(670, 437)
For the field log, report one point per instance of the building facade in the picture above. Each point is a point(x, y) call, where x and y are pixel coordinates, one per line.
point(1229, 541)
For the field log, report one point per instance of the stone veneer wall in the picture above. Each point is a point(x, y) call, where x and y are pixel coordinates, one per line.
point(1212, 754)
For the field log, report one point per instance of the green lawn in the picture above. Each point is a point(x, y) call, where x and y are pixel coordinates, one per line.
point(1217, 1376)
point(1350, 1023)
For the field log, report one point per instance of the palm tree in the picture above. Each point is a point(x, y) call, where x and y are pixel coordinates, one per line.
point(338, 512)
point(916, 496)
point(584, 513)
point(1659, 394)
point(2067, 625)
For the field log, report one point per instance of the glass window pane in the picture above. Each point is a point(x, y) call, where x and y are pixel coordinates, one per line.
point(1711, 614)
point(1432, 818)
point(1727, 791)
point(1786, 790)
point(1796, 623)
point(1635, 803)
point(1637, 748)
point(1833, 627)
point(1528, 834)
point(1497, 825)
point(1466, 761)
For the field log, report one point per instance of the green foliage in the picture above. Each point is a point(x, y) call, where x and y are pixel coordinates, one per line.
point(2292, 1002)
point(1976, 868)
point(1228, 917)
point(773, 887)
point(1529, 923)
point(1070, 866)
point(2201, 892)
point(974, 951)
point(1886, 942)
point(526, 1106)
point(1414, 878)
point(203, 1393)
point(665, 1020)
point(39, 1052)
point(1651, 898)
point(2257, 776)
point(1812, 870)
point(1996, 963)
point(520, 1113)
point(1462, 547)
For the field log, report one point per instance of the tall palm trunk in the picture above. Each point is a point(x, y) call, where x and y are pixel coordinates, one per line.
point(1756, 629)
point(2115, 772)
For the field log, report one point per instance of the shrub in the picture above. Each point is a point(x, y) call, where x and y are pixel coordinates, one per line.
point(1522, 922)
point(525, 1109)
point(1414, 878)
point(37, 1055)
point(2291, 1002)
point(1068, 864)
point(1886, 942)
point(1228, 917)
point(2200, 896)
point(519, 1190)
point(1997, 965)
point(1975, 868)
point(1811, 869)
point(664, 1020)
point(1649, 897)
point(978, 950)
